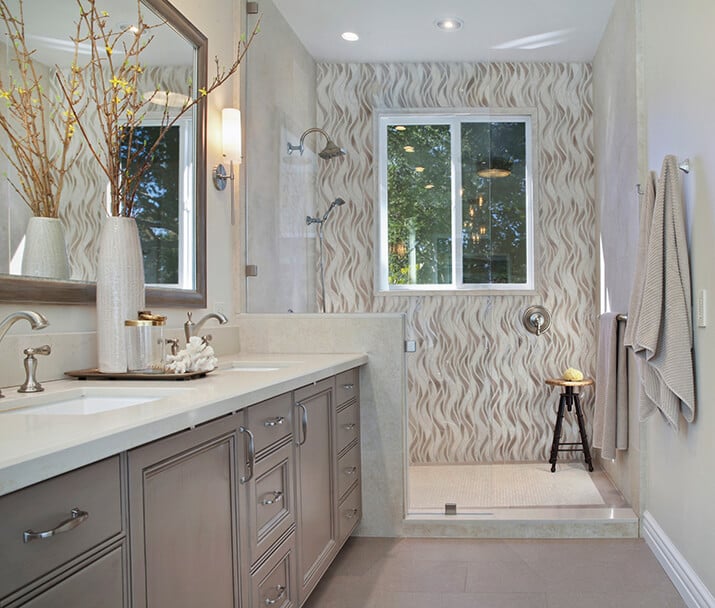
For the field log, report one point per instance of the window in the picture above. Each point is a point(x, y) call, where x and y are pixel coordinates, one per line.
point(455, 202)
point(164, 205)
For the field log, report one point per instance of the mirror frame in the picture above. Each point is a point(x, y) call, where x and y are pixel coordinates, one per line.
point(26, 289)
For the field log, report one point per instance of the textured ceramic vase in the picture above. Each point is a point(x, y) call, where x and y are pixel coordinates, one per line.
point(45, 253)
point(120, 289)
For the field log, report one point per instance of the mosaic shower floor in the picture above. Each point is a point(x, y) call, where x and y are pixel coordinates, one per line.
point(477, 487)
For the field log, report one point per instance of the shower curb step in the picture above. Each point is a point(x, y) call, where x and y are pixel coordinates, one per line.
point(530, 523)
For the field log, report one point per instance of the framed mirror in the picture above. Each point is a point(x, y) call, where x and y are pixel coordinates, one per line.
point(170, 216)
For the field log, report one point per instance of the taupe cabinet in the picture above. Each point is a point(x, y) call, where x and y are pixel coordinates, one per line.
point(80, 562)
point(315, 443)
point(183, 517)
point(247, 510)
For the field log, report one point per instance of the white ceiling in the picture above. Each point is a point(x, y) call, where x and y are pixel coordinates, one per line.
point(404, 30)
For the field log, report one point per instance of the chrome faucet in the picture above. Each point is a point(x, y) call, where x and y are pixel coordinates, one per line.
point(192, 329)
point(35, 319)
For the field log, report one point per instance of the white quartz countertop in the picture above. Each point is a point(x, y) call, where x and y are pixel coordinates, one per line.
point(37, 446)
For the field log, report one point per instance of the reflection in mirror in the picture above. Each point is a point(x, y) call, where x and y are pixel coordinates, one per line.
point(170, 207)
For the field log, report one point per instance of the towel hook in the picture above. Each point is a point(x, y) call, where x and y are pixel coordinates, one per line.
point(685, 166)
point(639, 190)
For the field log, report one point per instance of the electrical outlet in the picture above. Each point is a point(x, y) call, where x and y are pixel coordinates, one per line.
point(410, 346)
point(702, 305)
point(220, 307)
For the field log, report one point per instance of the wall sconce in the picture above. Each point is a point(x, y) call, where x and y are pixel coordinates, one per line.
point(231, 148)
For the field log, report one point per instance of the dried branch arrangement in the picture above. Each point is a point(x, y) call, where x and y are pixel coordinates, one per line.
point(33, 118)
point(111, 82)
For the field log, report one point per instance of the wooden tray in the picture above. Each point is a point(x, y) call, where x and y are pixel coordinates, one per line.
point(95, 374)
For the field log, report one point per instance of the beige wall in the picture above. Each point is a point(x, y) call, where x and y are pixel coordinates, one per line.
point(677, 47)
point(476, 382)
point(615, 128)
point(221, 235)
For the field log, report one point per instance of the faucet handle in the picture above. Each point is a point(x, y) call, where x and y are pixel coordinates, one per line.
point(45, 349)
point(173, 345)
point(31, 384)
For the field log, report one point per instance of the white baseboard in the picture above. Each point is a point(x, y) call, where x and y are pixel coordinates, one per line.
point(686, 581)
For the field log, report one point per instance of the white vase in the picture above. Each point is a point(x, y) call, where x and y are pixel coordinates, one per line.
point(45, 253)
point(120, 289)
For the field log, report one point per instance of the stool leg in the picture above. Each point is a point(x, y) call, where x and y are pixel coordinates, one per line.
point(582, 431)
point(557, 433)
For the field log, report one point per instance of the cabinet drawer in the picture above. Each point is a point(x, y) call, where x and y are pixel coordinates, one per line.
point(270, 421)
point(98, 584)
point(271, 508)
point(348, 426)
point(94, 489)
point(348, 469)
point(273, 584)
point(349, 514)
point(347, 386)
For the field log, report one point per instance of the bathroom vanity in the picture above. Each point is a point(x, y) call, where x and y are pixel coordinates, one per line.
point(241, 498)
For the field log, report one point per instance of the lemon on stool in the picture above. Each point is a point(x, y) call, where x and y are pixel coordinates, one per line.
point(572, 374)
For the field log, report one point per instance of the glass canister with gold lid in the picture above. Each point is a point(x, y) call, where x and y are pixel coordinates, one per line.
point(145, 343)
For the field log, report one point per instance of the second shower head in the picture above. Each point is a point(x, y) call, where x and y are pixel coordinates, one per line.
point(331, 150)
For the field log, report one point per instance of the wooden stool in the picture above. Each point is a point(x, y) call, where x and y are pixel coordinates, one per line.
point(569, 398)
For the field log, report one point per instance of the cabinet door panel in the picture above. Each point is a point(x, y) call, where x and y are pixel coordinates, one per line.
point(316, 485)
point(99, 585)
point(183, 519)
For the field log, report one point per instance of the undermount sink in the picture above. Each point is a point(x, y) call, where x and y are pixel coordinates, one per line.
point(259, 366)
point(87, 401)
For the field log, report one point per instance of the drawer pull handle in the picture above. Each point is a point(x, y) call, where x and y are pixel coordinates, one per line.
point(277, 496)
point(271, 422)
point(351, 513)
point(251, 460)
point(77, 517)
point(348, 387)
point(349, 426)
point(281, 589)
point(350, 471)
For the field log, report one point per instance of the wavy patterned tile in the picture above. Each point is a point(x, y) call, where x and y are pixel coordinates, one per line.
point(475, 384)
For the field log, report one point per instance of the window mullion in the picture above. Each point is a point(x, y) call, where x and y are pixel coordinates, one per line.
point(457, 219)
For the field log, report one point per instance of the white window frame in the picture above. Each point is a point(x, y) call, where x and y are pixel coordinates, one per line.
point(454, 118)
point(187, 200)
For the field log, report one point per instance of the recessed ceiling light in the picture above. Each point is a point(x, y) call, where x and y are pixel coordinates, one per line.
point(429, 186)
point(350, 36)
point(450, 24)
point(409, 148)
point(400, 128)
point(419, 169)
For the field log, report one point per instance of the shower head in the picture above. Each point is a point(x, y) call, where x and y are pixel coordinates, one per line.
point(331, 150)
point(338, 202)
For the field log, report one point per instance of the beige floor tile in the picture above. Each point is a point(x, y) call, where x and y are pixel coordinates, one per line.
point(494, 600)
point(456, 549)
point(632, 599)
point(459, 573)
point(426, 576)
point(503, 577)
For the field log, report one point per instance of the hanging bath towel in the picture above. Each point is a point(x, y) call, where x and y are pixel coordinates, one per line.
point(610, 412)
point(664, 329)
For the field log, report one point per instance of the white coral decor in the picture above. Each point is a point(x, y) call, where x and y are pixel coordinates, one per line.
point(198, 356)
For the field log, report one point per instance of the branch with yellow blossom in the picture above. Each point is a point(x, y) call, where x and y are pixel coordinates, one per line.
point(112, 83)
point(33, 117)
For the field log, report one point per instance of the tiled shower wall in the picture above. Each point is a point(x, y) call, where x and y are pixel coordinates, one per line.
point(476, 388)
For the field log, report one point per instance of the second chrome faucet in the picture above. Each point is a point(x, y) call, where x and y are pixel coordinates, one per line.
point(193, 329)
